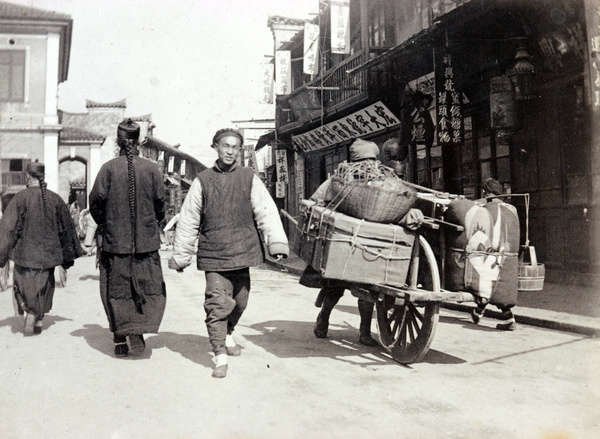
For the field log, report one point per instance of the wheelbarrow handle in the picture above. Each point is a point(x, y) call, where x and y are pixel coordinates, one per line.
point(290, 217)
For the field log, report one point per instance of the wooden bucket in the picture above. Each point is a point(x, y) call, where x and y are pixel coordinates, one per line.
point(531, 274)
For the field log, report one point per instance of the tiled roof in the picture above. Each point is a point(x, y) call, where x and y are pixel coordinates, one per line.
point(72, 134)
point(144, 118)
point(12, 11)
point(284, 20)
point(93, 104)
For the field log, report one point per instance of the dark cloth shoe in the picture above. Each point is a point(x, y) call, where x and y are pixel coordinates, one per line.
point(220, 371)
point(233, 351)
point(367, 340)
point(475, 316)
point(321, 327)
point(28, 328)
point(510, 326)
point(39, 325)
point(137, 343)
point(121, 350)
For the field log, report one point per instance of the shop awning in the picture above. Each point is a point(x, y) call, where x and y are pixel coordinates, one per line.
point(172, 181)
point(264, 140)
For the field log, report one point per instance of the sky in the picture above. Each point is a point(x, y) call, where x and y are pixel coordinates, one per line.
point(193, 64)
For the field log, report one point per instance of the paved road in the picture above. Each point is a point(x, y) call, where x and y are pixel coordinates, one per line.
point(476, 382)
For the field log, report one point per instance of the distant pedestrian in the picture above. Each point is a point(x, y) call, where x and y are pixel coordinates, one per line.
point(38, 234)
point(228, 208)
point(127, 203)
point(170, 230)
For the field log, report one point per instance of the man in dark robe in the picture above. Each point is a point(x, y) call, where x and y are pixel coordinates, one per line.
point(127, 203)
point(38, 234)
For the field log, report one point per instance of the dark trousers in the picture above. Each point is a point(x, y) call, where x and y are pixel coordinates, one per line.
point(226, 299)
point(33, 290)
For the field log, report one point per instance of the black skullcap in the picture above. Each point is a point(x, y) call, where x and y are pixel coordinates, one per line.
point(492, 186)
point(227, 132)
point(36, 169)
point(128, 129)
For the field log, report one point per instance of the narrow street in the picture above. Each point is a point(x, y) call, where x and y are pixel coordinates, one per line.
point(475, 382)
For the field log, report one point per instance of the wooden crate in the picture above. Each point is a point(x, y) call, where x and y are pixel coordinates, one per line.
point(346, 248)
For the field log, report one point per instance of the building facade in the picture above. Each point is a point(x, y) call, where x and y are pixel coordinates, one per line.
point(471, 89)
point(34, 58)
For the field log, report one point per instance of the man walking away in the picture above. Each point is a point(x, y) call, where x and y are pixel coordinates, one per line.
point(127, 203)
point(38, 234)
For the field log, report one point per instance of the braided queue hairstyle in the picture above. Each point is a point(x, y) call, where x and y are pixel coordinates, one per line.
point(37, 171)
point(127, 138)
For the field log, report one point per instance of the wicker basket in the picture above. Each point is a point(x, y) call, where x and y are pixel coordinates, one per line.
point(381, 201)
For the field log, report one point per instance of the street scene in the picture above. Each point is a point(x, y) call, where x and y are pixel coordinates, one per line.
point(300, 219)
point(475, 381)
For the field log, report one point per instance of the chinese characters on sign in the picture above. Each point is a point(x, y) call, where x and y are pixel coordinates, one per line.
point(171, 164)
point(369, 120)
point(182, 168)
point(299, 164)
point(449, 103)
point(281, 172)
point(311, 48)
point(283, 72)
point(266, 82)
point(340, 26)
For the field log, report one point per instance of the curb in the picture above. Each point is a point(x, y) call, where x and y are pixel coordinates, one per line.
point(522, 315)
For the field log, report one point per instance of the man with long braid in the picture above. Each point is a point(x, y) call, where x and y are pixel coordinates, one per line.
point(38, 234)
point(127, 203)
point(227, 208)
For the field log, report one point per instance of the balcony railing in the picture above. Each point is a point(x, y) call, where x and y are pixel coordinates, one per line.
point(325, 95)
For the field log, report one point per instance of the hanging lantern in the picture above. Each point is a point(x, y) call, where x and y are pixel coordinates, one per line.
point(521, 75)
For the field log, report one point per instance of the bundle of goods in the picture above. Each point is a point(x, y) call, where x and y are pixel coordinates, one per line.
point(371, 191)
point(342, 247)
point(483, 258)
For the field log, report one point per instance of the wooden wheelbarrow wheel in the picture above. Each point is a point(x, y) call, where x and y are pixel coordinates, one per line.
point(406, 331)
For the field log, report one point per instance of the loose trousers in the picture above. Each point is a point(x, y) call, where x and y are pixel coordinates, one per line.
point(226, 298)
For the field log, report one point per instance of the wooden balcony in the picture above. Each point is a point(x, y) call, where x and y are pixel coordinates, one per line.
point(326, 95)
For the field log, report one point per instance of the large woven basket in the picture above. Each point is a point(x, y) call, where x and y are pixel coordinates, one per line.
point(381, 201)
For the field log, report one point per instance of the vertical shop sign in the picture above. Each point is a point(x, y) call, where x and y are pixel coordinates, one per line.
point(299, 164)
point(311, 48)
point(449, 101)
point(250, 158)
point(283, 72)
point(340, 26)
point(171, 164)
point(182, 168)
point(592, 13)
point(266, 96)
point(282, 172)
point(503, 115)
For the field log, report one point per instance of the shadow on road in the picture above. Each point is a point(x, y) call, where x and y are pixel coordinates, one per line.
point(189, 346)
point(90, 277)
point(16, 323)
point(292, 339)
point(193, 347)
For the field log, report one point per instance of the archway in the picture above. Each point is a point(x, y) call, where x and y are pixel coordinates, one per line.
point(72, 176)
